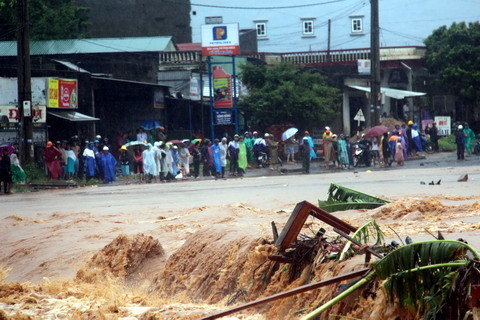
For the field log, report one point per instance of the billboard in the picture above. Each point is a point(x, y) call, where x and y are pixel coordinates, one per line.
point(444, 125)
point(220, 39)
point(364, 67)
point(62, 93)
point(11, 112)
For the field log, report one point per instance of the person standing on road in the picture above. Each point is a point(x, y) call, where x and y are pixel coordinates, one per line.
point(328, 151)
point(469, 137)
point(216, 158)
point(290, 148)
point(304, 151)
point(460, 141)
point(197, 159)
point(433, 132)
point(52, 160)
point(108, 165)
point(399, 152)
point(223, 155)
point(313, 155)
point(184, 160)
point(124, 159)
point(273, 151)
point(386, 151)
point(232, 154)
point(242, 157)
point(5, 171)
point(206, 159)
point(247, 139)
point(342, 150)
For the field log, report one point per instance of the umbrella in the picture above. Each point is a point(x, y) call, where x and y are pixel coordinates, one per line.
point(10, 149)
point(175, 141)
point(376, 131)
point(196, 140)
point(289, 133)
point(132, 145)
point(150, 125)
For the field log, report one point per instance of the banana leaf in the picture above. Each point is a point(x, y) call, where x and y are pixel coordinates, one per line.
point(363, 235)
point(342, 198)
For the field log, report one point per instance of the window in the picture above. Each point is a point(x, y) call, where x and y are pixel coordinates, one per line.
point(357, 25)
point(261, 29)
point(307, 27)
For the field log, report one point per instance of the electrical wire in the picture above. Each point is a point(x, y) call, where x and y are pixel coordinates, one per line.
point(266, 8)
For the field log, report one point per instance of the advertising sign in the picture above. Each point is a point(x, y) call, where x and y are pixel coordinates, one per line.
point(11, 112)
point(364, 67)
point(444, 125)
point(158, 99)
point(194, 88)
point(220, 39)
point(62, 93)
point(223, 117)
point(222, 88)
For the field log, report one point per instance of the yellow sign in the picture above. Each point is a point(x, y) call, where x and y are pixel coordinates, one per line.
point(53, 93)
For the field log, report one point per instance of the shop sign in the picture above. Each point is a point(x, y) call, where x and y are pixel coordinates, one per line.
point(62, 93)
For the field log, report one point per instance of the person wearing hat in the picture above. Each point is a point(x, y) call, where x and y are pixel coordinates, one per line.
point(124, 159)
point(460, 142)
point(304, 151)
point(247, 139)
point(89, 161)
point(328, 150)
point(232, 155)
point(306, 134)
point(410, 143)
point(52, 158)
point(108, 165)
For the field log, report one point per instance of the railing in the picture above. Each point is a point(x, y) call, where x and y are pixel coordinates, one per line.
point(345, 56)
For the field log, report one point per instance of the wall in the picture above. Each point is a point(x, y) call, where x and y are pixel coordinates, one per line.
point(402, 22)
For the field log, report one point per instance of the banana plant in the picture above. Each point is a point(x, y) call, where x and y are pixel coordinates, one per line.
point(422, 277)
point(342, 198)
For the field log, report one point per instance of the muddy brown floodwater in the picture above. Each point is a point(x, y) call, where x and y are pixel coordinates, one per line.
point(186, 250)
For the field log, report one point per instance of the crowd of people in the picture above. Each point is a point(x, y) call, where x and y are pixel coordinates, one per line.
point(149, 157)
point(158, 161)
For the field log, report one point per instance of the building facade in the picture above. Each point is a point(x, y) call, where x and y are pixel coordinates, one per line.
point(305, 25)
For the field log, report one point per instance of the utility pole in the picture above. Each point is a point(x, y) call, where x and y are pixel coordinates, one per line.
point(24, 83)
point(375, 95)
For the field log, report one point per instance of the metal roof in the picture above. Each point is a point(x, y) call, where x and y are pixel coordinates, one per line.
point(94, 45)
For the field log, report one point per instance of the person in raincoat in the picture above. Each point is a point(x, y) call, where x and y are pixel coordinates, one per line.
point(313, 155)
point(18, 175)
point(124, 159)
point(342, 150)
point(184, 160)
point(197, 159)
point(399, 152)
point(5, 170)
point(52, 160)
point(216, 159)
point(242, 157)
point(174, 154)
point(223, 155)
point(89, 161)
point(417, 140)
point(304, 151)
point(71, 162)
point(328, 151)
point(273, 152)
point(149, 165)
point(247, 139)
point(469, 137)
point(108, 165)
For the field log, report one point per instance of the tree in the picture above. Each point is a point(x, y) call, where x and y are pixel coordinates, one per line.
point(49, 19)
point(453, 55)
point(283, 93)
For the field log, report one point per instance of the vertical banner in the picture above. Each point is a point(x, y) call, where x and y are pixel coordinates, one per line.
point(444, 125)
point(52, 85)
point(222, 84)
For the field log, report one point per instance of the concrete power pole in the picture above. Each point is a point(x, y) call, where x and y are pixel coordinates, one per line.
point(375, 80)
point(24, 83)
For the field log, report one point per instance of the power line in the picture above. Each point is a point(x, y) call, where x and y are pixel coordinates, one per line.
point(266, 8)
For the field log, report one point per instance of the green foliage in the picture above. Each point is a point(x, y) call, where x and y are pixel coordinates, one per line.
point(422, 274)
point(363, 235)
point(342, 198)
point(34, 173)
point(284, 93)
point(50, 19)
point(453, 54)
point(447, 143)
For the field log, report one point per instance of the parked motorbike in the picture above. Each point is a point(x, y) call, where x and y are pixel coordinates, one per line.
point(361, 155)
point(263, 160)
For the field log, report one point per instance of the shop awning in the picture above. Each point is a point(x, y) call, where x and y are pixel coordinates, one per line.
point(72, 115)
point(392, 93)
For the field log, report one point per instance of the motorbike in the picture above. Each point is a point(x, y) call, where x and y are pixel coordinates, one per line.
point(361, 155)
point(427, 145)
point(263, 160)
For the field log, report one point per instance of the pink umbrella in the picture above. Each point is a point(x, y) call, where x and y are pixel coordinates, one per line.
point(376, 131)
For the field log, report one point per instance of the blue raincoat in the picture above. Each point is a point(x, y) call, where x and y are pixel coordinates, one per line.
point(108, 166)
point(313, 155)
point(174, 162)
point(217, 162)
